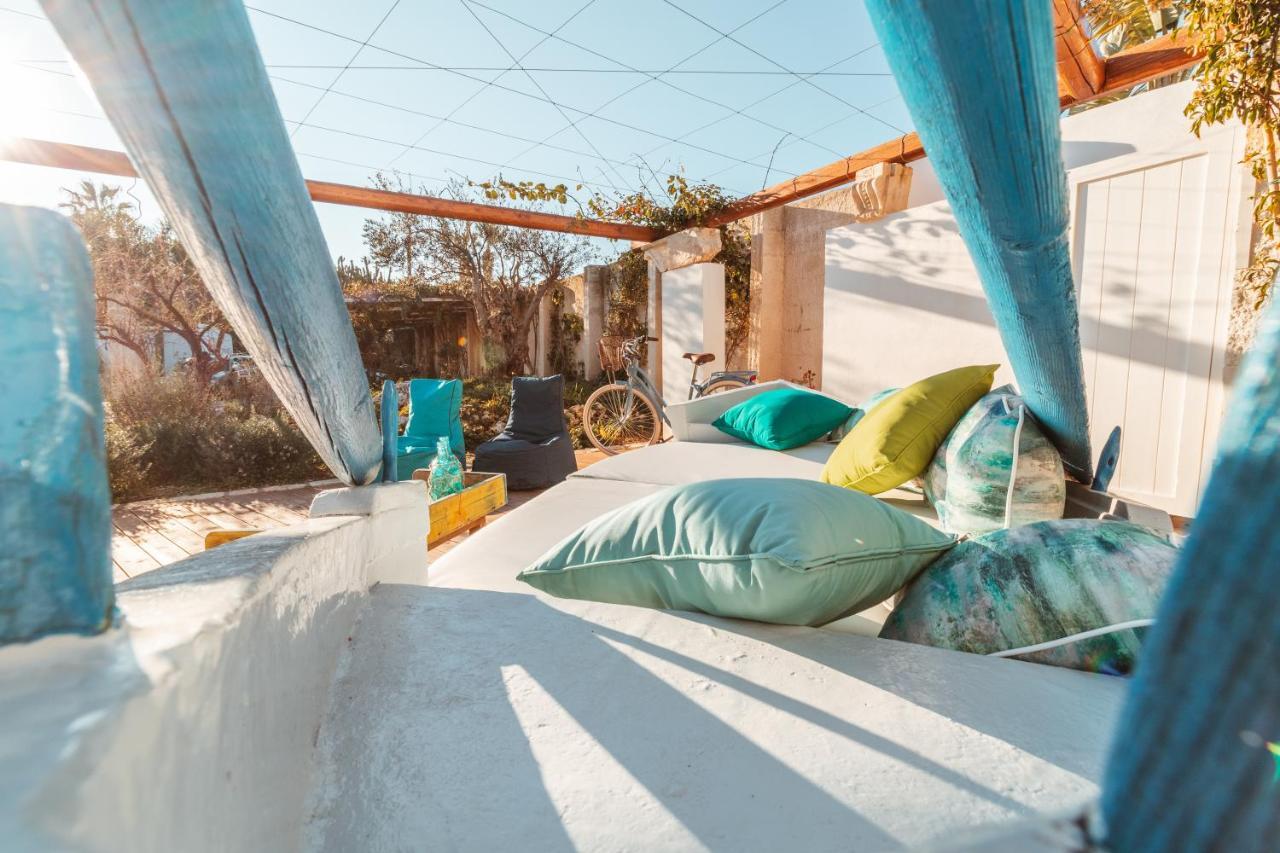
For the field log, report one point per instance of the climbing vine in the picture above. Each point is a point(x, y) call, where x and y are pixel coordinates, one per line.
point(676, 205)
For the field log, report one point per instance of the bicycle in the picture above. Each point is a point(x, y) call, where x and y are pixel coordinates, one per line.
point(627, 414)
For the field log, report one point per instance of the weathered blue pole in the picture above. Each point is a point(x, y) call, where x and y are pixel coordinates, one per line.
point(55, 508)
point(390, 430)
point(1195, 764)
point(184, 86)
point(980, 79)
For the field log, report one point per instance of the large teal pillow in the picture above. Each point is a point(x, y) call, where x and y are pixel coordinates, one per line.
point(794, 552)
point(784, 418)
point(1073, 592)
point(435, 411)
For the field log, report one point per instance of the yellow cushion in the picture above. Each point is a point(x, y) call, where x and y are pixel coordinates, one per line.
point(898, 438)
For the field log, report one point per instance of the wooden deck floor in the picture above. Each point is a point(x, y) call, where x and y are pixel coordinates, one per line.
point(150, 534)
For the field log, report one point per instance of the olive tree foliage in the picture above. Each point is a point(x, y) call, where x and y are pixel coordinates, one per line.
point(504, 271)
point(144, 282)
point(673, 204)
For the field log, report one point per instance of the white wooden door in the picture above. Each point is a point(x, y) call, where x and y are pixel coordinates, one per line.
point(1156, 241)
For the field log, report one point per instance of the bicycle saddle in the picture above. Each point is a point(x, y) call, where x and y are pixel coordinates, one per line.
point(700, 357)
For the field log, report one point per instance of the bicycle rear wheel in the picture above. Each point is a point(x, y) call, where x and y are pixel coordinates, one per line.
point(721, 385)
point(617, 418)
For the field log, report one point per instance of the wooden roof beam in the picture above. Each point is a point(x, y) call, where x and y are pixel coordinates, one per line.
point(63, 155)
point(1126, 69)
point(1081, 72)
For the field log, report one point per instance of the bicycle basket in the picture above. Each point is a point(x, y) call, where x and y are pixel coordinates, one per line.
point(611, 353)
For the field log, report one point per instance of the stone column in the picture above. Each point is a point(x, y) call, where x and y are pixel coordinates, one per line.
point(653, 322)
point(595, 292)
point(545, 336)
point(788, 269)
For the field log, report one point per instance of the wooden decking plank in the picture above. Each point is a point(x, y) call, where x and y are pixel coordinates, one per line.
point(279, 512)
point(146, 538)
point(129, 557)
point(172, 529)
point(248, 517)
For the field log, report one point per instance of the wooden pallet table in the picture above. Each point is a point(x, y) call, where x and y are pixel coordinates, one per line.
point(482, 493)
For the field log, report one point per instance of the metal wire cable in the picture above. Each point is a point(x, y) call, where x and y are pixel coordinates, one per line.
point(509, 89)
point(353, 58)
point(29, 64)
point(486, 86)
point(540, 88)
point(343, 132)
point(761, 100)
point(771, 61)
point(548, 69)
point(815, 131)
point(653, 76)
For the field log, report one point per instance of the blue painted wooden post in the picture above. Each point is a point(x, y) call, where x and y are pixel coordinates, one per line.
point(390, 430)
point(55, 508)
point(184, 86)
point(980, 79)
point(1194, 763)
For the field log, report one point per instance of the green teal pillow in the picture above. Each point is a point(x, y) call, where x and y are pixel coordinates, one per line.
point(1072, 592)
point(435, 410)
point(897, 438)
point(783, 418)
point(794, 552)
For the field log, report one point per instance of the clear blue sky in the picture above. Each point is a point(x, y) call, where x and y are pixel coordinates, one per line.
point(553, 90)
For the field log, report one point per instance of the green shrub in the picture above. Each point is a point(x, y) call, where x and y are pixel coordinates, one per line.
point(169, 434)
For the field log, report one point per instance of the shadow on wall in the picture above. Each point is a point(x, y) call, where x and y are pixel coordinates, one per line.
point(925, 188)
point(917, 260)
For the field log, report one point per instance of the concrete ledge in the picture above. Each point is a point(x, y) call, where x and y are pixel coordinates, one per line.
point(369, 500)
point(191, 725)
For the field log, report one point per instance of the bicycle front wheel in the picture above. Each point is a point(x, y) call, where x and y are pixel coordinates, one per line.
point(617, 418)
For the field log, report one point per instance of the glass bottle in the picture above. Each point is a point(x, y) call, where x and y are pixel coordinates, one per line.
point(446, 473)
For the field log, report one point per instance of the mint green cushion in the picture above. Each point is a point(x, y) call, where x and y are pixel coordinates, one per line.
point(783, 419)
point(794, 552)
point(435, 410)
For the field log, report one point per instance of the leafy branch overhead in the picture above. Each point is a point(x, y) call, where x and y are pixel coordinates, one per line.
point(1238, 79)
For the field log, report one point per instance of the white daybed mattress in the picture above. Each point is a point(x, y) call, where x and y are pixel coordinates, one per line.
point(474, 715)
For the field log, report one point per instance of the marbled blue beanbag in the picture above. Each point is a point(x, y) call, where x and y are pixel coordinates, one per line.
point(995, 469)
point(1042, 584)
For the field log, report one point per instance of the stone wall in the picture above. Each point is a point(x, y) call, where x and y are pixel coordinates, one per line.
point(788, 257)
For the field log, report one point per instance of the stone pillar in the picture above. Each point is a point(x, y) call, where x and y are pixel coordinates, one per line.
point(545, 336)
point(653, 322)
point(788, 269)
point(765, 346)
point(594, 312)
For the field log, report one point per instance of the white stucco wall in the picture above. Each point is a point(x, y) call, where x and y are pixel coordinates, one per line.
point(1159, 225)
point(191, 726)
point(692, 321)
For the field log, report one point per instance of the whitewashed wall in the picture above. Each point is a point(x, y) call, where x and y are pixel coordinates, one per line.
point(1159, 225)
point(191, 725)
point(692, 321)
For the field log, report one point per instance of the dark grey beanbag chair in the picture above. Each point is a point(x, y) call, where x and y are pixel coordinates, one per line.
point(534, 450)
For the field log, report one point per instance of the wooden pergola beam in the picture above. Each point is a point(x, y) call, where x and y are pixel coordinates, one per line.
point(904, 149)
point(63, 155)
point(1081, 72)
point(1124, 70)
